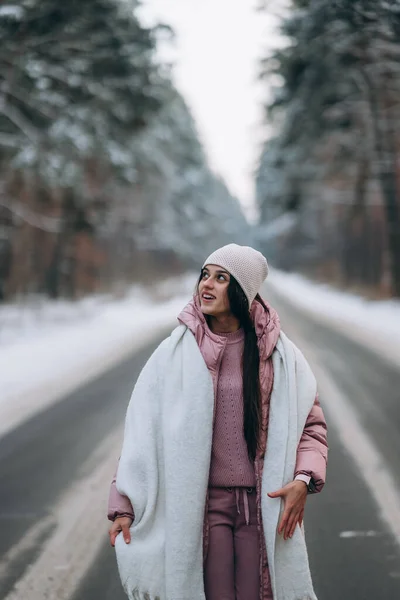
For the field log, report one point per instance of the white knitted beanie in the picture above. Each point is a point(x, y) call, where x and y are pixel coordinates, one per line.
point(248, 266)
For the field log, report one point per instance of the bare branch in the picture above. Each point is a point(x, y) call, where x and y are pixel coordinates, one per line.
point(48, 224)
point(19, 120)
point(27, 100)
point(10, 141)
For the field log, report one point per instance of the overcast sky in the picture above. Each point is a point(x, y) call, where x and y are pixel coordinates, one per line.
point(219, 43)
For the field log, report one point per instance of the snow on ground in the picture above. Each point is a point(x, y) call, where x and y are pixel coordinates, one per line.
point(48, 349)
point(375, 324)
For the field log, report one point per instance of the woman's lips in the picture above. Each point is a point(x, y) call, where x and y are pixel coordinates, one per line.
point(207, 299)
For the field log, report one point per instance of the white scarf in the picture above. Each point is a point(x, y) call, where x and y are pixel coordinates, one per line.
point(164, 469)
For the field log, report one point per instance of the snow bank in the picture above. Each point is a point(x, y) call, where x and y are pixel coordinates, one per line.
point(50, 349)
point(372, 323)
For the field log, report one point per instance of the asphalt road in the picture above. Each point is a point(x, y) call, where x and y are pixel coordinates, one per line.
point(40, 459)
point(353, 554)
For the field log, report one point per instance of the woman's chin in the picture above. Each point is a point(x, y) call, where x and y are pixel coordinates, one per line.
point(206, 310)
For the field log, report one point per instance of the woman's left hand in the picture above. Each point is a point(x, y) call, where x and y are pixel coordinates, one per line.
point(294, 495)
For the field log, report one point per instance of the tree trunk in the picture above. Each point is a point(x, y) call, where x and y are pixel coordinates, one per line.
point(54, 275)
point(389, 188)
point(386, 154)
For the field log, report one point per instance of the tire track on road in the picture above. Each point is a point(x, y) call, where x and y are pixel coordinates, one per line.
point(79, 531)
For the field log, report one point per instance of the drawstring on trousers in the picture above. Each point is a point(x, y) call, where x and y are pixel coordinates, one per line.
point(245, 502)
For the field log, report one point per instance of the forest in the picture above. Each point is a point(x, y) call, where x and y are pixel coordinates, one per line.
point(104, 180)
point(329, 176)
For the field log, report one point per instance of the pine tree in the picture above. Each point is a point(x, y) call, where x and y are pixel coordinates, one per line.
point(339, 97)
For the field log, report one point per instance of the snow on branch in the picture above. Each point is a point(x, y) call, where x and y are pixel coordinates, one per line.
point(48, 224)
point(19, 120)
point(12, 10)
point(10, 141)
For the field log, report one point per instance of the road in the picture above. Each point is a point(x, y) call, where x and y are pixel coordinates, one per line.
point(54, 471)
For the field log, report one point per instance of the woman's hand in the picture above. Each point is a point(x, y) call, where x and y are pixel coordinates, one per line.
point(120, 524)
point(294, 495)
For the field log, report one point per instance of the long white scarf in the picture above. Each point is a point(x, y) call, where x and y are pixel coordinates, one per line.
point(164, 470)
point(292, 398)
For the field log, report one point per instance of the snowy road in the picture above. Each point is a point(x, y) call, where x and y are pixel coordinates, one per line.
point(56, 467)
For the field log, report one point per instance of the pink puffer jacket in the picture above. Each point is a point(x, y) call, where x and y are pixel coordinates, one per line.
point(312, 450)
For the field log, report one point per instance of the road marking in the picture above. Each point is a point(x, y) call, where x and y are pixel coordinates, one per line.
point(360, 446)
point(357, 534)
point(30, 541)
point(80, 530)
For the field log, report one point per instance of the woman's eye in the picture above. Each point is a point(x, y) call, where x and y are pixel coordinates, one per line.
point(219, 277)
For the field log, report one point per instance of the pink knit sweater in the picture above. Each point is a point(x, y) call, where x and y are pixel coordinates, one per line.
point(230, 464)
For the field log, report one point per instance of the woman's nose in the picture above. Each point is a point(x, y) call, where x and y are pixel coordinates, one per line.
point(208, 286)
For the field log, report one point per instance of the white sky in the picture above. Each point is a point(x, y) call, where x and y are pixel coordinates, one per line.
point(219, 43)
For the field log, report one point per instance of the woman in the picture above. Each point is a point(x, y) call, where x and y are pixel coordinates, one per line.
point(224, 439)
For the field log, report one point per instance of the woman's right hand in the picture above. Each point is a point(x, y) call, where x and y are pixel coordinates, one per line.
point(120, 524)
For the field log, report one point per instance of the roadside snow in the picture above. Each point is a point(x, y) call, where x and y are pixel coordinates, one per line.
point(50, 349)
point(375, 324)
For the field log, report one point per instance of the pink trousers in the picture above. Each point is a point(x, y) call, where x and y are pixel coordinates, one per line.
point(232, 565)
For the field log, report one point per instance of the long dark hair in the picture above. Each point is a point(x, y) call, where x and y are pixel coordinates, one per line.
point(239, 306)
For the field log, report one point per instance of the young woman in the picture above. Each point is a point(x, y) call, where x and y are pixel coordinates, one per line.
point(224, 439)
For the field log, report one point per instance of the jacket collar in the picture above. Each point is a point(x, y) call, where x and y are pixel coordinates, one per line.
point(266, 322)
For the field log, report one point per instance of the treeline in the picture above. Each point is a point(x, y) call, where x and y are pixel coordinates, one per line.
point(103, 179)
point(328, 182)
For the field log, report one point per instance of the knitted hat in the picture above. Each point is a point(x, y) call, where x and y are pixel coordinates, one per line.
point(248, 266)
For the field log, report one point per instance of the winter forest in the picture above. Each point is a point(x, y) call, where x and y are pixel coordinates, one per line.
point(104, 180)
point(329, 176)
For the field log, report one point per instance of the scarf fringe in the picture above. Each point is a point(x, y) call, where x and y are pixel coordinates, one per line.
point(138, 595)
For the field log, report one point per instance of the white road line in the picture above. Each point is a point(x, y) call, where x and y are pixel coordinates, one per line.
point(357, 534)
point(358, 443)
point(27, 543)
point(80, 529)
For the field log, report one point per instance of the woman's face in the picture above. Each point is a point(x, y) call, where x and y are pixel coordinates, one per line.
point(213, 291)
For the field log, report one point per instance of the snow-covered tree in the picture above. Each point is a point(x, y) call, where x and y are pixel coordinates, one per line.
point(337, 110)
point(101, 168)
